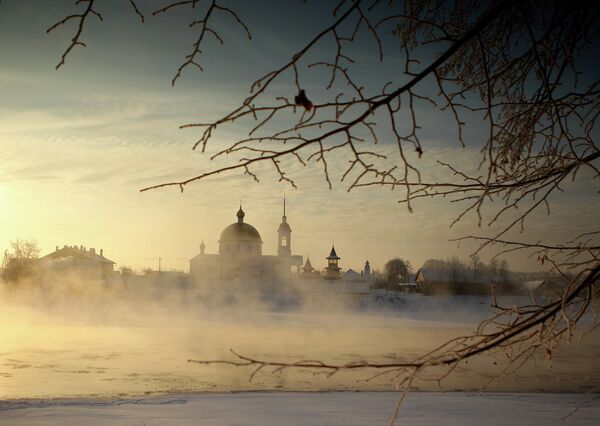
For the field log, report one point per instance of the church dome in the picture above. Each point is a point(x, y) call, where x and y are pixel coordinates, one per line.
point(284, 227)
point(240, 232)
point(240, 238)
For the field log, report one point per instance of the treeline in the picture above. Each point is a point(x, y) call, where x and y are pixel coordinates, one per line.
point(457, 276)
point(473, 269)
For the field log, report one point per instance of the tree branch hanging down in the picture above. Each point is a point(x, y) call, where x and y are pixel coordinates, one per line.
point(528, 125)
point(541, 120)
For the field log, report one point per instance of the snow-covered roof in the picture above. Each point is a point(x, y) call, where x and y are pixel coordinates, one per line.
point(73, 253)
point(351, 275)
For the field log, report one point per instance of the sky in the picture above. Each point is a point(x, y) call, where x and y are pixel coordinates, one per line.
point(78, 143)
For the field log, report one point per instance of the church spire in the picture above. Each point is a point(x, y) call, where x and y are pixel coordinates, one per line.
point(284, 233)
point(240, 214)
point(333, 270)
point(284, 217)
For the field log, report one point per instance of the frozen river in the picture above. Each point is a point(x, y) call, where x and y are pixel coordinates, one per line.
point(95, 350)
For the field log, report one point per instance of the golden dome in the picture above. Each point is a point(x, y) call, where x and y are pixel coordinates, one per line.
point(240, 232)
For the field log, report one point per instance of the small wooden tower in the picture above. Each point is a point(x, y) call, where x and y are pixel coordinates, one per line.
point(332, 271)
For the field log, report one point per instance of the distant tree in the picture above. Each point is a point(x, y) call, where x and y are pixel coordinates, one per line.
point(125, 270)
point(20, 260)
point(483, 268)
point(396, 271)
point(126, 274)
point(456, 268)
point(475, 264)
point(494, 267)
point(24, 249)
point(437, 264)
point(503, 270)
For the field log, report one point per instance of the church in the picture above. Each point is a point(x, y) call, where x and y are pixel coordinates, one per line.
point(240, 259)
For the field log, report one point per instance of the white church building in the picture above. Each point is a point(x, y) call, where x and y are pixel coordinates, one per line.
point(240, 258)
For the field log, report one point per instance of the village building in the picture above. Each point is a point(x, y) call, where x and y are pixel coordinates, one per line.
point(366, 272)
point(240, 258)
point(352, 276)
point(332, 282)
point(551, 288)
point(80, 262)
point(308, 272)
point(333, 271)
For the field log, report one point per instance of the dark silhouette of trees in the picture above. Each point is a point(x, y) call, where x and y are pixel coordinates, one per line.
point(436, 264)
point(456, 267)
point(494, 266)
point(396, 271)
point(20, 261)
point(503, 270)
point(475, 264)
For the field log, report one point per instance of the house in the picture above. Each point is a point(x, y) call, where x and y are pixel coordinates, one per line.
point(308, 272)
point(409, 287)
point(352, 276)
point(77, 261)
point(550, 289)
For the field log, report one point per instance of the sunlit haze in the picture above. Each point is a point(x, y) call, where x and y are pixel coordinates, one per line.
point(79, 143)
point(299, 212)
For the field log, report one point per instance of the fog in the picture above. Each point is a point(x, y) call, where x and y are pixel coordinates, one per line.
point(78, 338)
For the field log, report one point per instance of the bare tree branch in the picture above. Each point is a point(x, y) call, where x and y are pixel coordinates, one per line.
point(203, 24)
point(82, 17)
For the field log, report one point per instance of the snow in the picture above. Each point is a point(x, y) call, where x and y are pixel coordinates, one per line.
point(302, 408)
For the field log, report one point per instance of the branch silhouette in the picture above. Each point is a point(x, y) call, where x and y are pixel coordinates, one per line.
point(205, 30)
point(82, 18)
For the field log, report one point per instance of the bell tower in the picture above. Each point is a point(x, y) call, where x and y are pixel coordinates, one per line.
point(284, 234)
point(333, 270)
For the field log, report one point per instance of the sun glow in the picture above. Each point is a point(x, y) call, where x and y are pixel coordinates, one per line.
point(4, 203)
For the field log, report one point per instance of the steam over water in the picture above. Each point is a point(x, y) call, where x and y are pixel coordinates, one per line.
point(115, 344)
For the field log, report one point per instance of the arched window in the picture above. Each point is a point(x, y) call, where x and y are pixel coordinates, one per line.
point(284, 241)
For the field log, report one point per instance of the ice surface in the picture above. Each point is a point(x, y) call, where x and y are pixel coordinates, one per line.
point(329, 408)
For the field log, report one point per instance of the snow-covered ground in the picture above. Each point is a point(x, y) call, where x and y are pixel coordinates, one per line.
point(332, 408)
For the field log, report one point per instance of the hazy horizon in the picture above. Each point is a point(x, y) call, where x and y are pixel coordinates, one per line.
point(79, 143)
